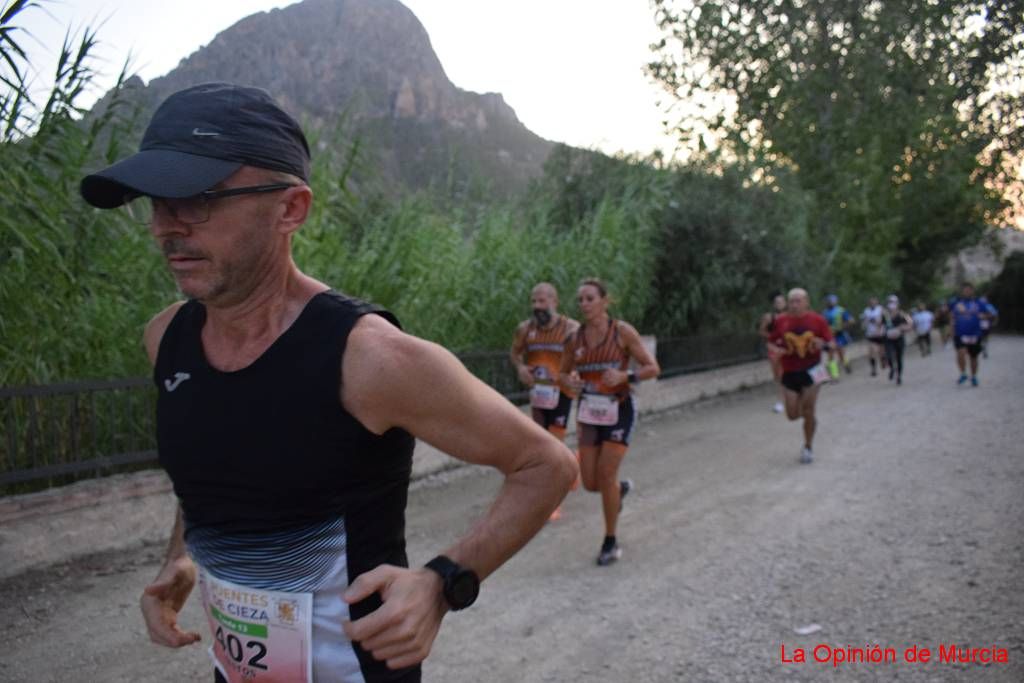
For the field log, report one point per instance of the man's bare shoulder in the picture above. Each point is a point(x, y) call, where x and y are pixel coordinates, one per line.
point(519, 336)
point(380, 358)
point(374, 338)
point(383, 366)
point(156, 327)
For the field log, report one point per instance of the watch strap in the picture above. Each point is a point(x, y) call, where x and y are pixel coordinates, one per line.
point(445, 567)
point(454, 577)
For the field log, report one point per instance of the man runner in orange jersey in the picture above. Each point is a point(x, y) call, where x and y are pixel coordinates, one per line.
point(536, 354)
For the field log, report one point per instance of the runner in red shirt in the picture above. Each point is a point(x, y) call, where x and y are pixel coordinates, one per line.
point(799, 336)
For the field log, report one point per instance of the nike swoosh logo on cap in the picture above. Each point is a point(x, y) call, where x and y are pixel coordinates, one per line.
point(204, 133)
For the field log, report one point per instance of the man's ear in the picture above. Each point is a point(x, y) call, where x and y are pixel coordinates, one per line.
point(296, 202)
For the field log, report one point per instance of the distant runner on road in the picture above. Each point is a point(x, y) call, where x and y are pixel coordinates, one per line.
point(987, 323)
point(799, 337)
point(968, 312)
point(923, 320)
point(597, 368)
point(764, 328)
point(874, 332)
point(897, 324)
point(537, 349)
point(942, 323)
point(839, 321)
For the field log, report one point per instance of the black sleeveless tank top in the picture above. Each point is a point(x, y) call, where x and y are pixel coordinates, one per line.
point(277, 482)
point(270, 445)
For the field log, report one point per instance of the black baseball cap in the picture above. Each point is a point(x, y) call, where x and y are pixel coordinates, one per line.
point(198, 137)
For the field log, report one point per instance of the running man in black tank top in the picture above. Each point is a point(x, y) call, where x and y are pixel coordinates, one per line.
point(537, 348)
point(597, 368)
point(286, 417)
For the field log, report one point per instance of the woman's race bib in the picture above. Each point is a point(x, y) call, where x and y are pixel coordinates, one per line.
point(544, 396)
point(599, 410)
point(969, 340)
point(258, 636)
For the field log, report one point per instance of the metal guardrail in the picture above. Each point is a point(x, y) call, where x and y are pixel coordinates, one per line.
point(55, 434)
point(684, 355)
point(59, 433)
point(495, 369)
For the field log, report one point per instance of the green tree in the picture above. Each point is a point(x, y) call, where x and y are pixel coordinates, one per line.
point(722, 247)
point(897, 117)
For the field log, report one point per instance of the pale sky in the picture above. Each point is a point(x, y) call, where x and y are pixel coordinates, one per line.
point(571, 69)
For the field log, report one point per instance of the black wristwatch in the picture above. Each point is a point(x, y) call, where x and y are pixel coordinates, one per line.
point(461, 585)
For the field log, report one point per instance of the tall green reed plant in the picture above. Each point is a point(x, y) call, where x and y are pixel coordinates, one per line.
point(73, 281)
point(463, 278)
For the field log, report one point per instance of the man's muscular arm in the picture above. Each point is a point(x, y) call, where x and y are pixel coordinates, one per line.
point(391, 379)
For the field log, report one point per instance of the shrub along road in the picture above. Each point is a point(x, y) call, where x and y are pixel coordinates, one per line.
point(908, 530)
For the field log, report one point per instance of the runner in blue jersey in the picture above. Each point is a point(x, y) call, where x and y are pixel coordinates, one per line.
point(968, 313)
point(839, 321)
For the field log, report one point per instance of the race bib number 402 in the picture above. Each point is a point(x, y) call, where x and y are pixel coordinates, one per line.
point(258, 636)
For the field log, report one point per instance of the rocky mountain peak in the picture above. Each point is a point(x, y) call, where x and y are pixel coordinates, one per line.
point(372, 61)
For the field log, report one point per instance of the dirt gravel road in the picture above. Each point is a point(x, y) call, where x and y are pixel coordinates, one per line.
point(908, 530)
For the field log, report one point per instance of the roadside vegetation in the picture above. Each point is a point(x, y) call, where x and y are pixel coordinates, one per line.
point(692, 248)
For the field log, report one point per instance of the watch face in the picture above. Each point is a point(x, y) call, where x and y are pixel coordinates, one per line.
point(463, 589)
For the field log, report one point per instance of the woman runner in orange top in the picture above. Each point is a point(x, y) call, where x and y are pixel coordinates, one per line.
point(596, 367)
